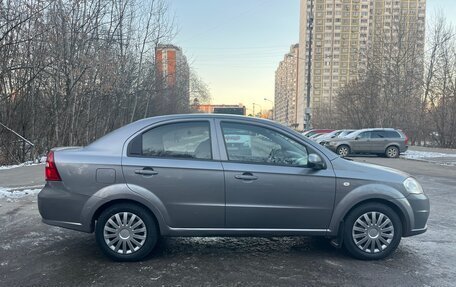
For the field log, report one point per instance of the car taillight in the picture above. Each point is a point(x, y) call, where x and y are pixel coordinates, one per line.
point(52, 174)
point(406, 137)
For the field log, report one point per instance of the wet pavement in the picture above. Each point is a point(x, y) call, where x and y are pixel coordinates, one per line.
point(34, 254)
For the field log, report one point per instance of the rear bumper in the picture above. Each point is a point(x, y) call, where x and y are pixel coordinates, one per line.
point(404, 149)
point(61, 208)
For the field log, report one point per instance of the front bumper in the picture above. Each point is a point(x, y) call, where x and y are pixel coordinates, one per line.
point(420, 207)
point(331, 147)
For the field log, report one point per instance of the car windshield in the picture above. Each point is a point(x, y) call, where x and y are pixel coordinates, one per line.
point(344, 134)
point(329, 135)
point(354, 134)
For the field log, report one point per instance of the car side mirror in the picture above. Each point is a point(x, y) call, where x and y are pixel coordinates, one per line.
point(357, 138)
point(316, 162)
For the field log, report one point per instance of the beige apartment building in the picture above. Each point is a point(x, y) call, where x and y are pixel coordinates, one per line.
point(345, 32)
point(286, 88)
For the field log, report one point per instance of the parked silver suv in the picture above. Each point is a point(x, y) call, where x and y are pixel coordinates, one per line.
point(221, 175)
point(387, 142)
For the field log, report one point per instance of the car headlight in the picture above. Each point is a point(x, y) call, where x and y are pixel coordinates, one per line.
point(412, 186)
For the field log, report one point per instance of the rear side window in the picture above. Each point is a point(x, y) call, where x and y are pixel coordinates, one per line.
point(189, 140)
point(378, 134)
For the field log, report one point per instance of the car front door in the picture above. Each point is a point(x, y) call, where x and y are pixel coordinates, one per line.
point(177, 162)
point(269, 183)
point(379, 141)
point(361, 143)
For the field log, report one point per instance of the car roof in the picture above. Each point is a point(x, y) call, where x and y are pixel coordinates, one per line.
point(376, 129)
point(121, 134)
point(205, 115)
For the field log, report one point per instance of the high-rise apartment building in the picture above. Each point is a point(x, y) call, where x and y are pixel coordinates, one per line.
point(172, 70)
point(286, 88)
point(345, 33)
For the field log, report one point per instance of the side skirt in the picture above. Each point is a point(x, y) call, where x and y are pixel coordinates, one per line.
point(170, 231)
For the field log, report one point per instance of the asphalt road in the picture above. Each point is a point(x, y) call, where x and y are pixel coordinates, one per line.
point(34, 254)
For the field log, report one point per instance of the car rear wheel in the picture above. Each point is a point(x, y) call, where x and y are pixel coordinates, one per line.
point(126, 232)
point(372, 231)
point(343, 150)
point(392, 152)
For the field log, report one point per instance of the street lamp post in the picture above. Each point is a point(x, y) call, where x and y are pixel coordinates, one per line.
point(307, 114)
point(254, 108)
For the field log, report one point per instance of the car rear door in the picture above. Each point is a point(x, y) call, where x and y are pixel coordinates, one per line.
point(268, 182)
point(396, 138)
point(179, 163)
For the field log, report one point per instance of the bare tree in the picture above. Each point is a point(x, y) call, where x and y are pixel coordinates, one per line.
point(387, 93)
point(72, 70)
point(439, 103)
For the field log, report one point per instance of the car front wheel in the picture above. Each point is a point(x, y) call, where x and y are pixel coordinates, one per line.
point(343, 150)
point(372, 231)
point(126, 232)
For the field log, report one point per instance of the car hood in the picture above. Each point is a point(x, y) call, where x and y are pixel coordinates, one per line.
point(339, 139)
point(344, 168)
point(327, 138)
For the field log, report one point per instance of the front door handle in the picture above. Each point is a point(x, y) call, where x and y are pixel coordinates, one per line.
point(246, 176)
point(146, 171)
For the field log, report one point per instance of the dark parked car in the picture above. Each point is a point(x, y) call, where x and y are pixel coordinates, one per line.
point(387, 142)
point(222, 175)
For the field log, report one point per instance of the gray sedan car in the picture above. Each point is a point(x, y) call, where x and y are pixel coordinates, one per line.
point(222, 175)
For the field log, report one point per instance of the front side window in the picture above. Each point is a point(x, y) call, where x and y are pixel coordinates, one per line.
point(180, 140)
point(254, 144)
point(364, 135)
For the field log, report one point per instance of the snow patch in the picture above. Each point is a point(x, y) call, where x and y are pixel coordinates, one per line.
point(14, 194)
point(29, 163)
point(414, 154)
point(445, 159)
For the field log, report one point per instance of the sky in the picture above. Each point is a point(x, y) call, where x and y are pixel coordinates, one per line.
point(235, 46)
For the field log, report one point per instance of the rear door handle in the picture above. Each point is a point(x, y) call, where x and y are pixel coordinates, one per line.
point(246, 176)
point(146, 171)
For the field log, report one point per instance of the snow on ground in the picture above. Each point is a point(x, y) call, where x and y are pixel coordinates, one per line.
point(446, 159)
point(414, 154)
point(28, 163)
point(15, 193)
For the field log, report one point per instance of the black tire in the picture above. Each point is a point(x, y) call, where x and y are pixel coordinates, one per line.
point(350, 234)
point(343, 150)
point(151, 231)
point(392, 152)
